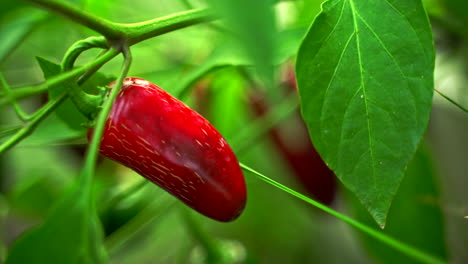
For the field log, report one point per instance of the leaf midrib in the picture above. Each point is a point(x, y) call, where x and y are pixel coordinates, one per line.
point(362, 85)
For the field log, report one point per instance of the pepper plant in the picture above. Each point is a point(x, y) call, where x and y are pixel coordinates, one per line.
point(362, 76)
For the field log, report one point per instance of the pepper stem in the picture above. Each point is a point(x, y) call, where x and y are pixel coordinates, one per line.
point(88, 104)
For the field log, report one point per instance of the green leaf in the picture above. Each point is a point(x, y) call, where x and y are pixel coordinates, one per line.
point(15, 26)
point(68, 112)
point(365, 76)
point(415, 217)
point(254, 23)
point(70, 234)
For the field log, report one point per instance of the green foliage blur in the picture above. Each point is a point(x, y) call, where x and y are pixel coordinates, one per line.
point(142, 224)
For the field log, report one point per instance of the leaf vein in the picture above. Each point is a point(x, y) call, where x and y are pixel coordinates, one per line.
point(333, 77)
point(361, 70)
point(409, 23)
point(329, 35)
point(382, 44)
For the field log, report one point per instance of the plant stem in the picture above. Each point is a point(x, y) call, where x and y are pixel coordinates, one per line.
point(79, 47)
point(400, 246)
point(19, 111)
point(88, 104)
point(138, 32)
point(452, 101)
point(21, 93)
point(28, 129)
point(42, 113)
point(135, 32)
point(98, 24)
point(91, 157)
point(9, 130)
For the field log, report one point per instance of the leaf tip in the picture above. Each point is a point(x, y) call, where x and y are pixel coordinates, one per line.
point(380, 217)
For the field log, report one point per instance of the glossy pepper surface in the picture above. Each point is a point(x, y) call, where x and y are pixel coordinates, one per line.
point(165, 141)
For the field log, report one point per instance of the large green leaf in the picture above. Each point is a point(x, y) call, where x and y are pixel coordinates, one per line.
point(415, 217)
point(254, 23)
point(71, 234)
point(365, 76)
point(68, 112)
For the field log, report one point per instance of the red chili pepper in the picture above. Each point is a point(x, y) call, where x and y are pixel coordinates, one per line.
point(171, 145)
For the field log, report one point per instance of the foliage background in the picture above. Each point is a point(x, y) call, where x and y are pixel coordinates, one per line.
point(275, 228)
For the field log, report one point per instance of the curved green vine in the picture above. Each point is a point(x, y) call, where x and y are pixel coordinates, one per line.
point(88, 104)
point(46, 110)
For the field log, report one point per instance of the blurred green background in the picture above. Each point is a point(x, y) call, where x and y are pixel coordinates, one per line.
point(148, 226)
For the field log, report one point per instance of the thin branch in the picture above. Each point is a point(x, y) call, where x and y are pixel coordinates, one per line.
point(135, 32)
point(138, 32)
point(400, 246)
point(98, 24)
point(42, 113)
point(452, 101)
point(91, 157)
point(19, 111)
point(20, 93)
point(29, 128)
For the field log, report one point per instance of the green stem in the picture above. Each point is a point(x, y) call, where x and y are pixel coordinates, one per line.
point(88, 104)
point(10, 130)
point(135, 32)
point(98, 24)
point(90, 71)
point(452, 101)
point(90, 161)
point(79, 47)
point(29, 127)
point(21, 93)
point(42, 113)
point(400, 246)
point(138, 32)
point(19, 111)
